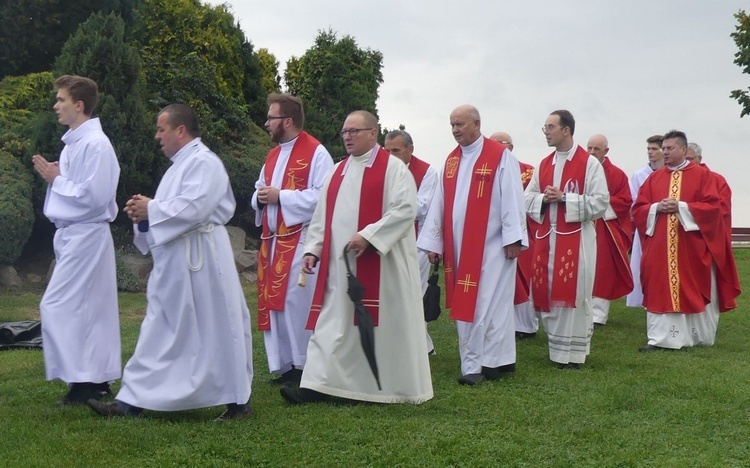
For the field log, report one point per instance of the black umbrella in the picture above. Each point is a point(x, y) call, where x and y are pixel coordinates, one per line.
point(364, 321)
point(431, 298)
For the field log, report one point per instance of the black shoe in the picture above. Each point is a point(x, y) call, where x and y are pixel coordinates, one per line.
point(471, 379)
point(525, 335)
point(292, 376)
point(648, 348)
point(299, 396)
point(431, 352)
point(111, 409)
point(569, 365)
point(235, 411)
point(494, 373)
point(81, 392)
point(599, 325)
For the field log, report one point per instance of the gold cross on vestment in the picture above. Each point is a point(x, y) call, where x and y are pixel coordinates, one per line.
point(467, 283)
point(482, 171)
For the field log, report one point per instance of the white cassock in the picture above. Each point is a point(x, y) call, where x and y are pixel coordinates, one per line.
point(424, 197)
point(488, 341)
point(569, 330)
point(194, 349)
point(80, 317)
point(286, 341)
point(336, 364)
point(635, 298)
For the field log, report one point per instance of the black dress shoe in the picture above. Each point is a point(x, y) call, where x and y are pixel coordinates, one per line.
point(598, 325)
point(525, 335)
point(81, 392)
point(235, 411)
point(292, 376)
point(569, 365)
point(110, 409)
point(648, 348)
point(300, 396)
point(494, 373)
point(471, 379)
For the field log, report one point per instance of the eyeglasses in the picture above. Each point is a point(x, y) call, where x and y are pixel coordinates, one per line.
point(271, 117)
point(550, 127)
point(352, 132)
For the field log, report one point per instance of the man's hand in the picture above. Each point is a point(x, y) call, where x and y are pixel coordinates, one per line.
point(48, 170)
point(668, 205)
point(552, 194)
point(308, 263)
point(513, 250)
point(434, 257)
point(268, 195)
point(137, 208)
point(358, 245)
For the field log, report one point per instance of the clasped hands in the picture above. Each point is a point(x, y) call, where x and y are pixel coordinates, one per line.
point(552, 194)
point(268, 195)
point(137, 208)
point(668, 205)
point(48, 170)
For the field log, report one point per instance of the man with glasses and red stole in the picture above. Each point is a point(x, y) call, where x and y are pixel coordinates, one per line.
point(366, 211)
point(477, 224)
point(566, 194)
point(287, 192)
point(687, 269)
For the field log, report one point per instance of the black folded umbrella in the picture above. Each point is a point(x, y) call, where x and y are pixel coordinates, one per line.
point(364, 321)
point(431, 298)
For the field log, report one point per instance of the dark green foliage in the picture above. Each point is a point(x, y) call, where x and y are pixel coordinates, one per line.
point(16, 212)
point(269, 68)
point(98, 50)
point(741, 37)
point(32, 32)
point(333, 78)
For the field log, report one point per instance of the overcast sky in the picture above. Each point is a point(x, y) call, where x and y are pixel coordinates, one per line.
point(627, 69)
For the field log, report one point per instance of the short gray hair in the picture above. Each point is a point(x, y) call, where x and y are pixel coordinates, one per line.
point(696, 148)
point(400, 133)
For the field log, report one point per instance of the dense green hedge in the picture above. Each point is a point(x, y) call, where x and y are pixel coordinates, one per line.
point(16, 212)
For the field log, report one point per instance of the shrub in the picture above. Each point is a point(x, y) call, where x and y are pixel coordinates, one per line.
point(16, 211)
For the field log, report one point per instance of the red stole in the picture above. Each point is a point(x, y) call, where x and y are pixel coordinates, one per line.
point(418, 169)
point(523, 265)
point(370, 211)
point(273, 274)
point(614, 238)
point(462, 288)
point(567, 240)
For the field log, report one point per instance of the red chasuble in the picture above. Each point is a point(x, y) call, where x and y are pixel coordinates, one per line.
point(523, 265)
point(462, 286)
point(370, 211)
point(418, 169)
point(676, 264)
point(614, 238)
point(273, 273)
point(567, 242)
point(725, 195)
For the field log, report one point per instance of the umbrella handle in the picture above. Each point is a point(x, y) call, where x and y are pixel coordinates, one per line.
point(346, 260)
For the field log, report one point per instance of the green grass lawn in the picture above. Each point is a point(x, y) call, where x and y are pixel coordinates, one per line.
point(662, 409)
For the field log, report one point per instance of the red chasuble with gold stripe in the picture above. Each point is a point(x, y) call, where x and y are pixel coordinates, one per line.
point(567, 241)
point(370, 211)
point(462, 285)
point(273, 273)
point(418, 169)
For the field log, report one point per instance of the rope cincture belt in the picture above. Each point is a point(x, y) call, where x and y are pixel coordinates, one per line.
point(202, 229)
point(273, 234)
point(553, 228)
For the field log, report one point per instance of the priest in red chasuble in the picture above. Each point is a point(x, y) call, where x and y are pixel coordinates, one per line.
point(687, 269)
point(477, 224)
point(566, 194)
point(527, 322)
point(285, 197)
point(614, 235)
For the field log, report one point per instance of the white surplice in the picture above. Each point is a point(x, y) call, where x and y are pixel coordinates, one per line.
point(488, 341)
point(569, 330)
point(194, 349)
point(80, 320)
point(286, 341)
point(424, 197)
point(336, 364)
point(635, 298)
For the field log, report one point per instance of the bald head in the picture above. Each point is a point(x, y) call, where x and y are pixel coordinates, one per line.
point(598, 146)
point(465, 124)
point(503, 138)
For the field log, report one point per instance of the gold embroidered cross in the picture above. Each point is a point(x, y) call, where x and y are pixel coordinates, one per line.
point(467, 283)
